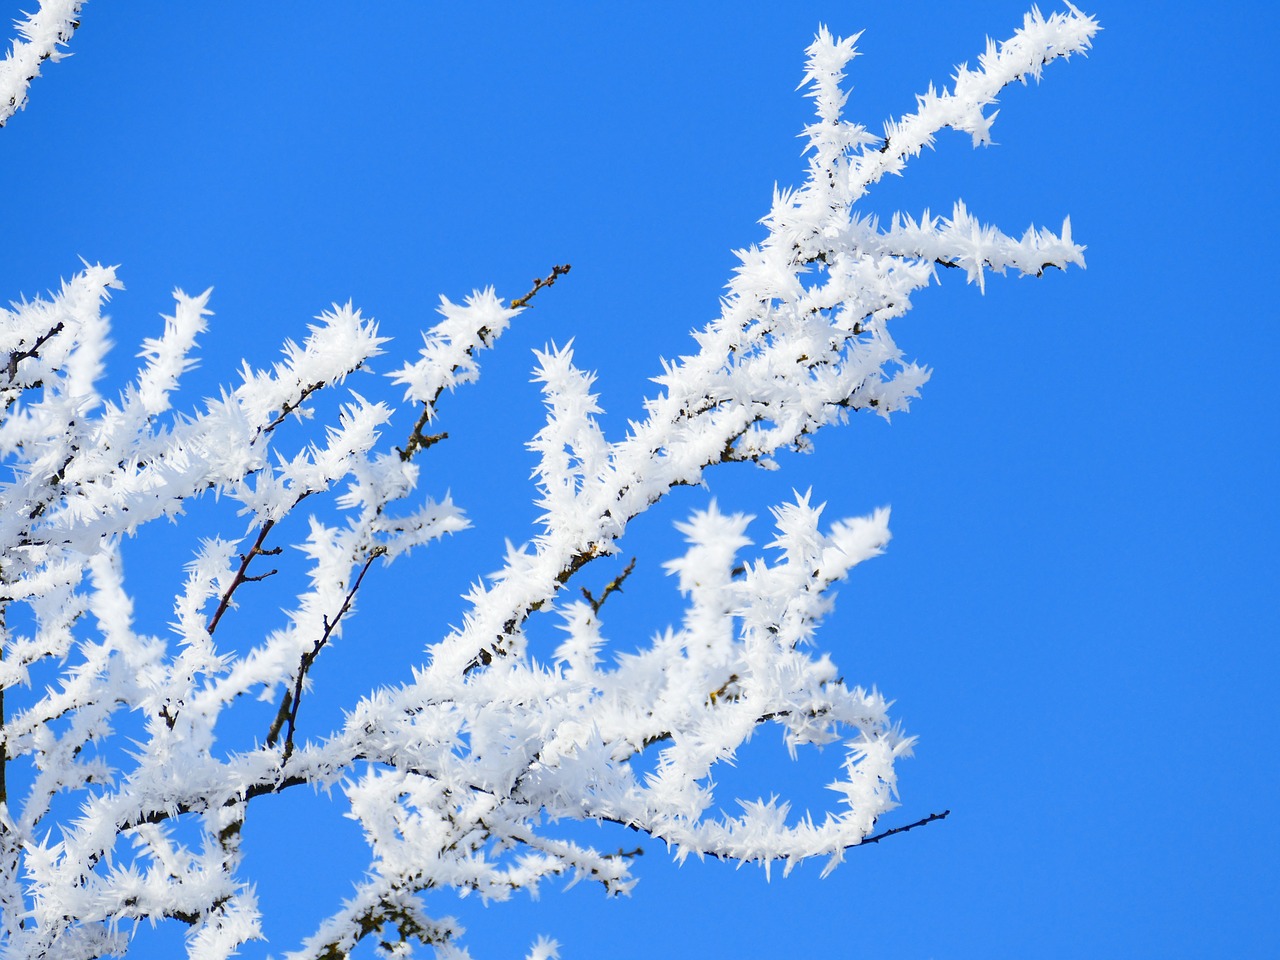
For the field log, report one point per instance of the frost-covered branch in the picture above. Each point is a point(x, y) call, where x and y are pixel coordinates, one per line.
point(121, 796)
point(447, 359)
point(40, 37)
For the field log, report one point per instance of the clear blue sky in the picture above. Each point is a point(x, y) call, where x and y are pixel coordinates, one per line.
point(1077, 615)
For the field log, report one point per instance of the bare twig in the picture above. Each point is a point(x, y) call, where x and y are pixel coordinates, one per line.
point(877, 837)
point(613, 586)
point(287, 715)
point(242, 575)
point(539, 282)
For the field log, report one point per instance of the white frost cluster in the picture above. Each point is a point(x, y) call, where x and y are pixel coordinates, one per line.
point(40, 35)
point(130, 810)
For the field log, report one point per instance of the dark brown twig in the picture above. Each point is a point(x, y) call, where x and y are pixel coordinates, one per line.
point(613, 586)
point(557, 272)
point(287, 715)
point(242, 575)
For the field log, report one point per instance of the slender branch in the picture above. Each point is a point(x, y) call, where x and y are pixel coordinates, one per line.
point(287, 408)
point(242, 575)
point(556, 273)
point(252, 792)
point(722, 693)
point(17, 356)
point(287, 715)
point(986, 261)
point(170, 716)
point(29, 54)
point(877, 837)
point(418, 440)
point(717, 855)
point(613, 586)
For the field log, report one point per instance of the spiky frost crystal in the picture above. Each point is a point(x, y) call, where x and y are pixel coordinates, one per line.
point(458, 777)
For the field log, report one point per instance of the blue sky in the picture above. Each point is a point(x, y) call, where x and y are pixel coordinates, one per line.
point(1077, 615)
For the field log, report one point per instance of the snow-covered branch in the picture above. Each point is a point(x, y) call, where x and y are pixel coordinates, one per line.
point(40, 37)
point(131, 805)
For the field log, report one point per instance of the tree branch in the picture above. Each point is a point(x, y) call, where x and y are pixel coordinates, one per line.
point(287, 715)
point(242, 575)
point(17, 356)
point(877, 837)
point(539, 282)
point(613, 586)
point(418, 440)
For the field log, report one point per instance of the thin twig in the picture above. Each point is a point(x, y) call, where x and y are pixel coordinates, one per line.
point(287, 408)
point(613, 586)
point(242, 575)
point(418, 440)
point(17, 356)
point(539, 282)
point(877, 837)
point(287, 715)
